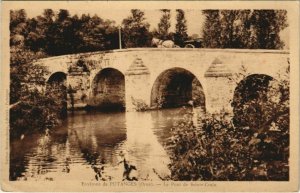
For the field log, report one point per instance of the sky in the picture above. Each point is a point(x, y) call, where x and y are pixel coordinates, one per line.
point(194, 17)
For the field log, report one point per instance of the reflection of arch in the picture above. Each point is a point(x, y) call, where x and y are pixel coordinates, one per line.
point(176, 87)
point(108, 89)
point(249, 100)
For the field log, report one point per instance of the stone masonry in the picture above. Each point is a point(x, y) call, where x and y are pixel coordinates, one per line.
point(132, 73)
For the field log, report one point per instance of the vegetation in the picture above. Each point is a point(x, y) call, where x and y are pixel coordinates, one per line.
point(257, 29)
point(164, 25)
point(136, 31)
point(139, 105)
point(181, 28)
point(35, 113)
point(61, 33)
point(251, 145)
point(30, 110)
point(220, 151)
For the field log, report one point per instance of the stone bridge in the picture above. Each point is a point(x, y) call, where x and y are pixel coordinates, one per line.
point(157, 77)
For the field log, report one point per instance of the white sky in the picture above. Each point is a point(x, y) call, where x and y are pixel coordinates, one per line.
point(194, 17)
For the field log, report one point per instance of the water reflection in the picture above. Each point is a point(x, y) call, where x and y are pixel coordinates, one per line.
point(143, 148)
point(97, 146)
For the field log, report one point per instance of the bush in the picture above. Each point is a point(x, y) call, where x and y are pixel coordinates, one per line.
point(216, 150)
point(35, 112)
point(253, 144)
point(139, 105)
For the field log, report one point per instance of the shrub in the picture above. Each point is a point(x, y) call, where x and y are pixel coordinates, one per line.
point(253, 144)
point(216, 150)
point(35, 112)
point(139, 105)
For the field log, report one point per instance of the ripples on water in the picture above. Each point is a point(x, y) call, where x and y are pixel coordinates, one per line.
point(93, 146)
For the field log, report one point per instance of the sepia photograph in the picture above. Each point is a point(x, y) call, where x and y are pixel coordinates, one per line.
point(114, 96)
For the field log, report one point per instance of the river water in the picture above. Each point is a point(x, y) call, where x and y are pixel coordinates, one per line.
point(98, 146)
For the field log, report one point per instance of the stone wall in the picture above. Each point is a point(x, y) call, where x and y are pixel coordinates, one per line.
point(141, 67)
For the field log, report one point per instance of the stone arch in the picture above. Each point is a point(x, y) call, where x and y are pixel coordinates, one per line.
point(177, 87)
point(251, 99)
point(108, 90)
point(57, 77)
point(56, 88)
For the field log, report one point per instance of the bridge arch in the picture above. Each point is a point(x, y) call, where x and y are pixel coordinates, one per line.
point(252, 99)
point(108, 90)
point(177, 87)
point(57, 77)
point(56, 88)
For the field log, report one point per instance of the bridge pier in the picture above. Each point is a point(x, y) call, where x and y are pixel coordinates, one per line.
point(220, 88)
point(137, 83)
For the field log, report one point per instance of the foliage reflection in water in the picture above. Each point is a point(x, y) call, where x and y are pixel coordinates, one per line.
point(97, 146)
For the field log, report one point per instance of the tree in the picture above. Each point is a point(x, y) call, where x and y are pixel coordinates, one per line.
point(257, 29)
point(135, 31)
point(111, 35)
point(18, 27)
point(17, 19)
point(164, 24)
point(19, 67)
point(234, 28)
point(62, 34)
point(181, 28)
point(20, 56)
point(45, 23)
point(90, 31)
point(211, 29)
point(30, 110)
point(266, 25)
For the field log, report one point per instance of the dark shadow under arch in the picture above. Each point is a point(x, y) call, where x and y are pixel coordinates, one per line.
point(250, 100)
point(177, 87)
point(109, 90)
point(57, 77)
point(56, 89)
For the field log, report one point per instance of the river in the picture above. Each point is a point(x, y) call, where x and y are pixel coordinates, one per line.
point(98, 146)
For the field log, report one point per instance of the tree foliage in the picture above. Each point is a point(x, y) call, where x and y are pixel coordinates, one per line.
point(61, 33)
point(181, 28)
point(257, 29)
point(164, 24)
point(211, 29)
point(135, 32)
point(30, 109)
point(266, 26)
point(37, 112)
point(20, 65)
